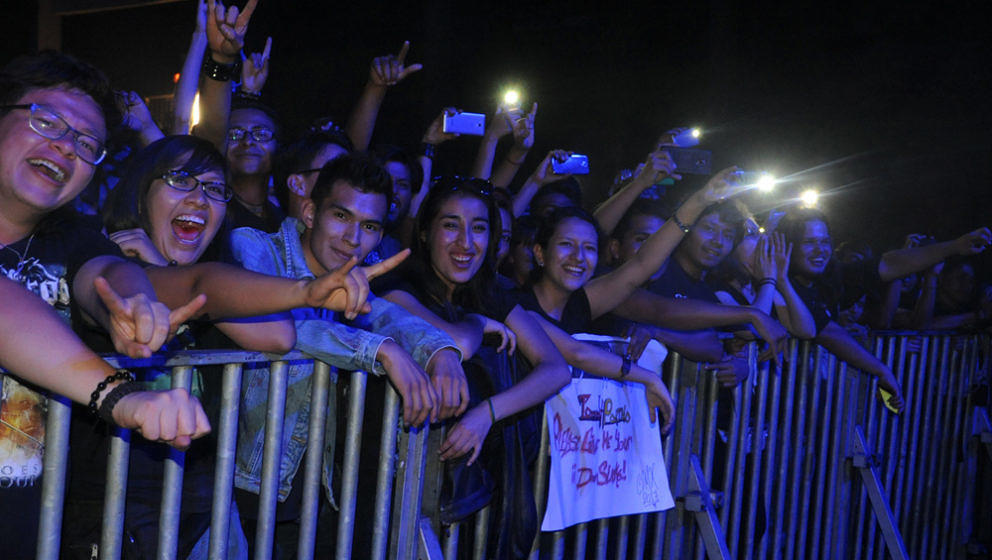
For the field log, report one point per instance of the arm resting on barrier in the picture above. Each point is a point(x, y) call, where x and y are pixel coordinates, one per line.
point(835, 339)
point(38, 347)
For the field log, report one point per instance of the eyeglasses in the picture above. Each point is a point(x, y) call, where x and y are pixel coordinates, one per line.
point(455, 183)
point(183, 181)
point(258, 134)
point(49, 124)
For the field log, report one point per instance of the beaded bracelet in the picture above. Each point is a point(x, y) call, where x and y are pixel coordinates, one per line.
point(492, 411)
point(118, 375)
point(427, 150)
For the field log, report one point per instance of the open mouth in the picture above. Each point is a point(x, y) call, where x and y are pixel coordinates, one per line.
point(188, 228)
point(49, 169)
point(577, 271)
point(462, 260)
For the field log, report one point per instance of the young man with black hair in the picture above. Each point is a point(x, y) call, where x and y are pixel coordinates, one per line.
point(252, 139)
point(341, 220)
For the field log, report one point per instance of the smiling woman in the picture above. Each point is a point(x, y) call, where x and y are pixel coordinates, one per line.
point(171, 202)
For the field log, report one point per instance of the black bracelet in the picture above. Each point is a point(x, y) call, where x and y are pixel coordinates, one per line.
point(492, 411)
point(678, 222)
point(114, 396)
point(118, 375)
point(427, 150)
point(242, 92)
point(220, 72)
point(625, 367)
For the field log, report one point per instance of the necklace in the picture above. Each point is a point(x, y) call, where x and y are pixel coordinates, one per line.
point(21, 257)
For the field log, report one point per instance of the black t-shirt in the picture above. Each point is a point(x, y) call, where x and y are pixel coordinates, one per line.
point(675, 283)
point(45, 263)
point(240, 216)
point(576, 317)
point(840, 286)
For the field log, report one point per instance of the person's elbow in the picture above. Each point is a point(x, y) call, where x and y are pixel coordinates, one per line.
point(803, 332)
point(559, 373)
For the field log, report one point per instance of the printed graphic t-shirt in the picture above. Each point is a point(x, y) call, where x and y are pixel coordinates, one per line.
point(44, 264)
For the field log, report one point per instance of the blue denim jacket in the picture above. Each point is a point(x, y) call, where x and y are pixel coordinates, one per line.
point(350, 347)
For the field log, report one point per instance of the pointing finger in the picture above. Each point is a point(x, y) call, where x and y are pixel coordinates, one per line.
point(267, 50)
point(380, 268)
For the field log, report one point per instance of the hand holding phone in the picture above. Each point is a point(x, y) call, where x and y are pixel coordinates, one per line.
point(574, 164)
point(464, 123)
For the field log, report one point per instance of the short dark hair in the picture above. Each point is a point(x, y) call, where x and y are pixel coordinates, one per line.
point(244, 102)
point(547, 227)
point(389, 153)
point(126, 206)
point(298, 157)
point(358, 169)
point(732, 212)
point(568, 187)
point(793, 225)
point(50, 69)
point(643, 207)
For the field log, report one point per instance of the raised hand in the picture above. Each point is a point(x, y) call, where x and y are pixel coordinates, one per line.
point(435, 131)
point(347, 288)
point(720, 187)
point(136, 243)
point(545, 170)
point(764, 261)
point(656, 167)
point(468, 434)
point(134, 113)
point(782, 253)
point(139, 325)
point(255, 69)
point(523, 129)
point(973, 243)
point(226, 29)
point(174, 417)
point(390, 70)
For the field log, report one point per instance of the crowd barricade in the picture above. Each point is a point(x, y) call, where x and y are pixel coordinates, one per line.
point(396, 522)
point(804, 462)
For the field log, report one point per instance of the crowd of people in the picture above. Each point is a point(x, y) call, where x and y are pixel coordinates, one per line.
point(462, 291)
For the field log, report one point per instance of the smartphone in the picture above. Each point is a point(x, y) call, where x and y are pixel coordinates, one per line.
point(576, 164)
point(687, 160)
point(885, 400)
point(465, 123)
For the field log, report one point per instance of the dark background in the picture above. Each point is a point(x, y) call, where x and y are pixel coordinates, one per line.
point(883, 106)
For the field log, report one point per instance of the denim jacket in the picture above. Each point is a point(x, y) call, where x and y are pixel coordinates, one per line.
point(321, 336)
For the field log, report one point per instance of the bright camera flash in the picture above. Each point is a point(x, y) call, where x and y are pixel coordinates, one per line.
point(765, 182)
point(761, 230)
point(696, 133)
point(809, 198)
point(511, 97)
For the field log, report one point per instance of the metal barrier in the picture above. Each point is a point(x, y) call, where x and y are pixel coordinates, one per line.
point(404, 529)
point(805, 462)
point(801, 463)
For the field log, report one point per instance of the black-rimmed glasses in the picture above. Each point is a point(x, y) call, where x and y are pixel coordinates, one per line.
point(182, 181)
point(49, 124)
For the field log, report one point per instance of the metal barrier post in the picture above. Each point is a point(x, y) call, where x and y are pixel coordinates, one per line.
point(227, 440)
point(676, 520)
point(699, 503)
point(541, 480)
point(743, 421)
point(272, 452)
point(797, 450)
point(786, 454)
point(320, 387)
point(813, 377)
point(384, 478)
point(866, 463)
point(757, 436)
point(54, 466)
point(933, 435)
point(112, 531)
point(172, 483)
point(349, 477)
point(824, 430)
